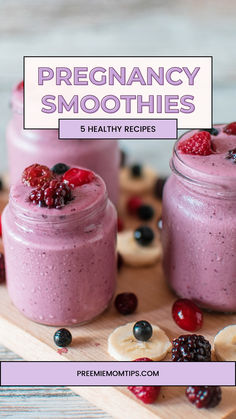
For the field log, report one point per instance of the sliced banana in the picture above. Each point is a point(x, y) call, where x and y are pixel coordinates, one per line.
point(225, 344)
point(123, 346)
point(142, 184)
point(136, 255)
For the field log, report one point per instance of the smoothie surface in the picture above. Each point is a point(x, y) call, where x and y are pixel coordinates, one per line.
point(216, 163)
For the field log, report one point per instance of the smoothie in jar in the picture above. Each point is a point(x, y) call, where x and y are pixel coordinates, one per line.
point(199, 219)
point(26, 147)
point(60, 262)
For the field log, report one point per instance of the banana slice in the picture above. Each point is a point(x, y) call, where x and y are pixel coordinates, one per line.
point(135, 254)
point(134, 185)
point(225, 344)
point(123, 346)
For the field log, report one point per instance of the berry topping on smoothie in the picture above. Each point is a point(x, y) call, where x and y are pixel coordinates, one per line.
point(126, 303)
point(187, 315)
point(78, 177)
point(36, 175)
point(53, 194)
point(231, 155)
point(204, 396)
point(212, 131)
point(199, 144)
point(230, 129)
point(60, 168)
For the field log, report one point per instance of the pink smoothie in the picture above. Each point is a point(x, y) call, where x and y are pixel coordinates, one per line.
point(199, 225)
point(61, 263)
point(25, 147)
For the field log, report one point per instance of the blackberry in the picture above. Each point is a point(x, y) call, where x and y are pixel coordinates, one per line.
point(191, 348)
point(53, 194)
point(204, 396)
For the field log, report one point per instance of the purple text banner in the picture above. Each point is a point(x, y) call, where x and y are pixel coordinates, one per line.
point(117, 129)
point(117, 373)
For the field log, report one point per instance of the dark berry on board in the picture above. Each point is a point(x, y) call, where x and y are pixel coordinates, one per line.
point(145, 212)
point(133, 204)
point(62, 337)
point(119, 261)
point(231, 155)
point(212, 131)
point(53, 194)
point(2, 268)
point(136, 170)
point(191, 348)
point(60, 168)
point(126, 303)
point(123, 158)
point(204, 396)
point(144, 235)
point(1, 184)
point(142, 330)
point(158, 187)
point(120, 224)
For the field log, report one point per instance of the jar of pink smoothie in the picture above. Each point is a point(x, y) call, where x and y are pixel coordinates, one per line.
point(26, 147)
point(199, 223)
point(61, 263)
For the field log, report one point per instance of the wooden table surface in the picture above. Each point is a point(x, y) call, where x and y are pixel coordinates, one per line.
point(43, 402)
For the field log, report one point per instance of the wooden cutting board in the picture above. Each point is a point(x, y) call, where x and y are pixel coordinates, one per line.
point(35, 342)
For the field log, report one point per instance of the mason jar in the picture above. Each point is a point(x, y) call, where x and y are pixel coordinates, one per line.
point(61, 263)
point(26, 147)
point(199, 225)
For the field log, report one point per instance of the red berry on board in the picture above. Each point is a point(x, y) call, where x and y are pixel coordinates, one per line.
point(126, 303)
point(198, 144)
point(143, 359)
point(147, 394)
point(2, 268)
point(20, 86)
point(120, 225)
point(78, 177)
point(36, 175)
point(230, 129)
point(187, 315)
point(133, 204)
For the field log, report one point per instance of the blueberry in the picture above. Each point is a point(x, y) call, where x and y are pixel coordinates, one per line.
point(142, 330)
point(62, 337)
point(144, 235)
point(158, 187)
point(60, 168)
point(145, 212)
point(136, 170)
point(212, 131)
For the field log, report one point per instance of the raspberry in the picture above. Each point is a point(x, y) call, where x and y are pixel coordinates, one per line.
point(133, 204)
point(53, 194)
point(78, 177)
point(36, 175)
point(199, 144)
point(230, 129)
point(187, 315)
point(2, 268)
point(20, 86)
point(126, 303)
point(147, 394)
point(191, 348)
point(204, 396)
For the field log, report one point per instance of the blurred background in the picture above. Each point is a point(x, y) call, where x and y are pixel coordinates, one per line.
point(124, 27)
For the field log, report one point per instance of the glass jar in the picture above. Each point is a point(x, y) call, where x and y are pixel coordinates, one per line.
point(26, 147)
point(199, 226)
point(61, 263)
